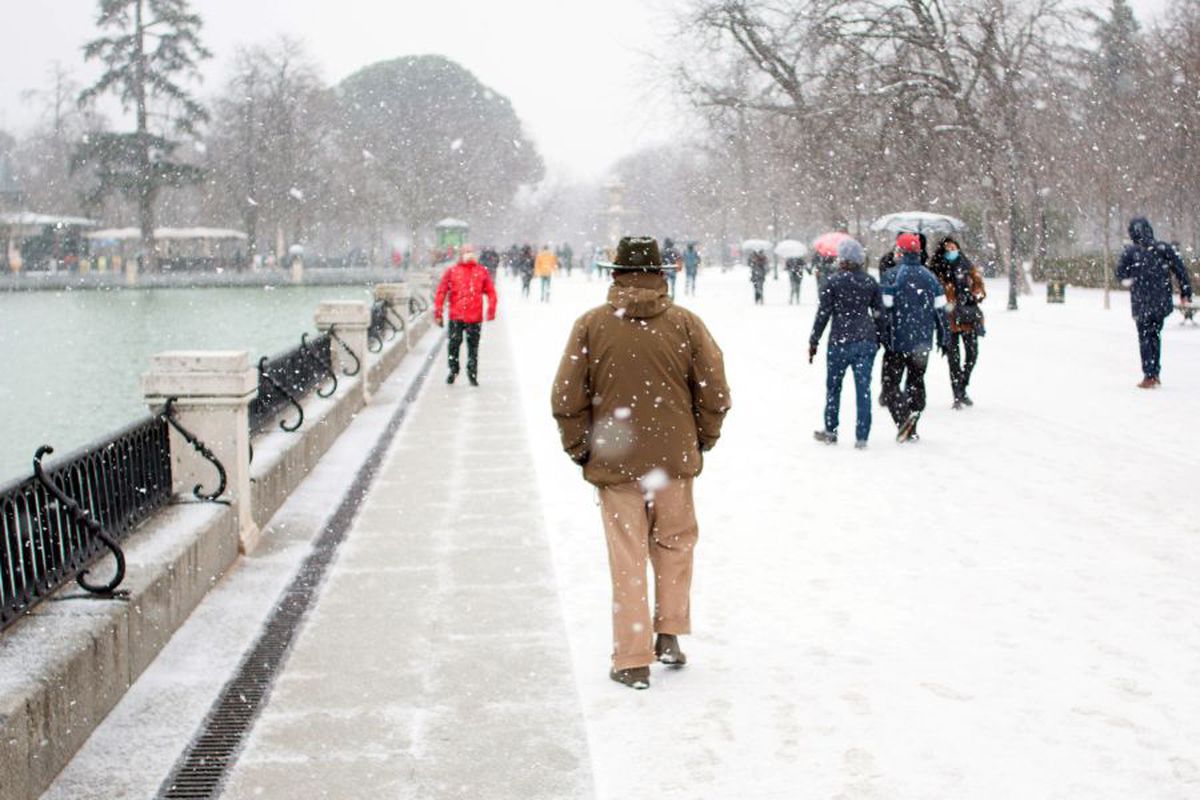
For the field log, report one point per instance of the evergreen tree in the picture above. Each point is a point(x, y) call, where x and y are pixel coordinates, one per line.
point(154, 47)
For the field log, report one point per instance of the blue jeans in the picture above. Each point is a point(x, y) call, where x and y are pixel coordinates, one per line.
point(859, 357)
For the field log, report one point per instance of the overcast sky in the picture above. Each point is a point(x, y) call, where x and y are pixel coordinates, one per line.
point(579, 72)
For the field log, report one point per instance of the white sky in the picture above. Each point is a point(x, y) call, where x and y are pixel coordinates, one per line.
point(580, 73)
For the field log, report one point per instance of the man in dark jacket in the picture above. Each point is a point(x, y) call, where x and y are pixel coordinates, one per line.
point(758, 274)
point(1146, 268)
point(639, 396)
point(853, 300)
point(915, 301)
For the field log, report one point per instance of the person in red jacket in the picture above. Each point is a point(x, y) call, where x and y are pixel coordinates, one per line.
point(465, 284)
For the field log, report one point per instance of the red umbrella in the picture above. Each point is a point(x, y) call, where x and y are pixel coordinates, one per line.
point(827, 243)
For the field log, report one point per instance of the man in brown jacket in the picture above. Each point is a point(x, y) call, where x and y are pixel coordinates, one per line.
point(640, 394)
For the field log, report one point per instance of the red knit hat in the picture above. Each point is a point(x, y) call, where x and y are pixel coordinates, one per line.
point(908, 243)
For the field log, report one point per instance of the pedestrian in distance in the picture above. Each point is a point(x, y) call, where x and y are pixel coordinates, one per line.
point(795, 270)
point(544, 268)
point(464, 286)
point(671, 258)
point(853, 301)
point(758, 274)
point(1146, 267)
point(490, 259)
point(691, 266)
point(965, 290)
point(566, 257)
point(525, 269)
point(639, 396)
point(915, 301)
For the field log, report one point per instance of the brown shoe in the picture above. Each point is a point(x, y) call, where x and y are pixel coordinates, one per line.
point(666, 647)
point(634, 678)
point(1147, 383)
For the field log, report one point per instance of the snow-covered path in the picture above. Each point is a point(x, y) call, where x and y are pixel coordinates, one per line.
point(1005, 610)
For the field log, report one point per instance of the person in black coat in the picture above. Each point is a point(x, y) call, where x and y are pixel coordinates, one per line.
point(1146, 267)
point(795, 271)
point(758, 274)
point(853, 301)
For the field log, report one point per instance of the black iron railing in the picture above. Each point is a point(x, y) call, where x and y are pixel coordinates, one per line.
point(385, 324)
point(57, 523)
point(288, 377)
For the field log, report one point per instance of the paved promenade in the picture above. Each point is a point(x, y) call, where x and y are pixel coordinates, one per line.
point(1002, 611)
point(435, 663)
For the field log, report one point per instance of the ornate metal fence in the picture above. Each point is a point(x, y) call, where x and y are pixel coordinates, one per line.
point(289, 376)
point(385, 325)
point(55, 524)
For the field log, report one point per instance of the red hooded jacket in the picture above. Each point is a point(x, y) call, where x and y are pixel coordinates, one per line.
point(466, 283)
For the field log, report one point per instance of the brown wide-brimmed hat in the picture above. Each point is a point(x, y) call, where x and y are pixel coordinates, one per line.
point(637, 252)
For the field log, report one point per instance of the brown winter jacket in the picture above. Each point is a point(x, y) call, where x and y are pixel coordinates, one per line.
point(978, 289)
point(641, 386)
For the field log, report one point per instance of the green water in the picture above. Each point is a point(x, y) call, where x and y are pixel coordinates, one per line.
point(71, 362)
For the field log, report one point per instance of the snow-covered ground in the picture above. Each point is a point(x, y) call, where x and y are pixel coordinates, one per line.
point(1005, 610)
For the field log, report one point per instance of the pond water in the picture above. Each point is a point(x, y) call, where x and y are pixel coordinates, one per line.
point(71, 362)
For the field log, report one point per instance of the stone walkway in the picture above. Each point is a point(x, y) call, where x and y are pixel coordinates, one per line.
point(435, 662)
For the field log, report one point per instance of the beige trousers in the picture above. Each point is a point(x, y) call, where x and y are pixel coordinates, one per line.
point(661, 529)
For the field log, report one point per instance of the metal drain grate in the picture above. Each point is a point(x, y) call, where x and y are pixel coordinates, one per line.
point(204, 765)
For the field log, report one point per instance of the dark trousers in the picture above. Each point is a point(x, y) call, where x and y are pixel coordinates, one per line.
point(689, 283)
point(525, 281)
point(859, 357)
point(1149, 331)
point(960, 370)
point(904, 391)
point(758, 292)
point(794, 297)
point(471, 329)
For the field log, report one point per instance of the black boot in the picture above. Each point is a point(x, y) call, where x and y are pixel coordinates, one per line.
point(666, 647)
point(634, 678)
point(450, 378)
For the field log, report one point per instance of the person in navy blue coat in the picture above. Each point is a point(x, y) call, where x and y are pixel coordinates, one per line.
point(852, 299)
point(916, 308)
point(1146, 267)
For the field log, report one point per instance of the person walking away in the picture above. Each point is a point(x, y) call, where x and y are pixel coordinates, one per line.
point(915, 302)
point(758, 274)
point(464, 285)
point(490, 259)
point(854, 302)
point(639, 396)
point(544, 268)
point(691, 265)
point(891, 366)
point(795, 271)
point(670, 257)
point(525, 269)
point(1146, 267)
point(965, 290)
point(566, 258)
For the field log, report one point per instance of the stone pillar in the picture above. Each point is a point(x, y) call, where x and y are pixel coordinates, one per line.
point(350, 320)
point(397, 294)
point(212, 391)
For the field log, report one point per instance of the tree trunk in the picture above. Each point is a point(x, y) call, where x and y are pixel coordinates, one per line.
point(145, 188)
